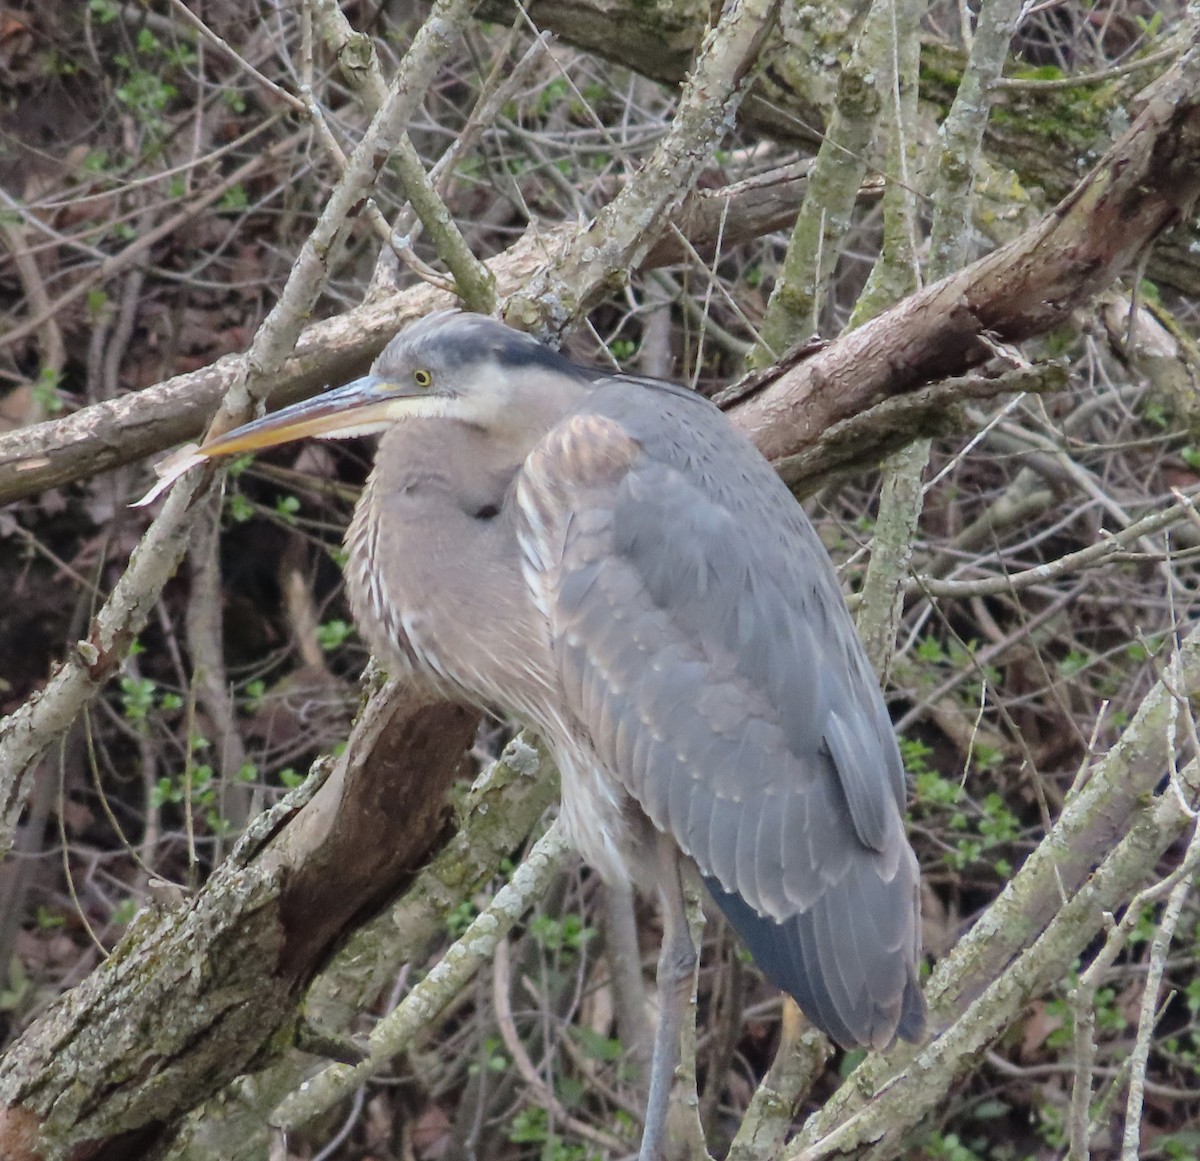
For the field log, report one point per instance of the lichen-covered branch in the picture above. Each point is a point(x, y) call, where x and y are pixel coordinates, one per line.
point(1149, 180)
point(798, 297)
point(601, 255)
point(451, 974)
point(497, 815)
point(216, 980)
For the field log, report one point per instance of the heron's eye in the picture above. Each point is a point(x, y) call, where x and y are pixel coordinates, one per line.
point(422, 378)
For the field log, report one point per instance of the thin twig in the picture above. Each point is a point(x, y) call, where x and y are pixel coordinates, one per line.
point(447, 978)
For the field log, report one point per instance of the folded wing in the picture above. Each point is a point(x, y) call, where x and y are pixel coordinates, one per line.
point(703, 643)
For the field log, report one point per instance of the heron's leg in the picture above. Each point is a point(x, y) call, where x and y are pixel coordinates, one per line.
point(624, 954)
point(676, 969)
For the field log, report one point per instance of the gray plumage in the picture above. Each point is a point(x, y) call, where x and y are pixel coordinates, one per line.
point(610, 560)
point(681, 629)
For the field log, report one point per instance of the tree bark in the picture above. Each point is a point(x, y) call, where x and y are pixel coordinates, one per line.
point(1037, 131)
point(1146, 183)
point(200, 992)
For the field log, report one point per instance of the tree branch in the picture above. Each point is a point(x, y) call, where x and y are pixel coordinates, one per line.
point(1149, 180)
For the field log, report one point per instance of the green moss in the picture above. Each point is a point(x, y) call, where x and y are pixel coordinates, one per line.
point(1040, 73)
point(940, 75)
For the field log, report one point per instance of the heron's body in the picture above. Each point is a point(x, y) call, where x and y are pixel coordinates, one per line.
point(611, 561)
point(727, 700)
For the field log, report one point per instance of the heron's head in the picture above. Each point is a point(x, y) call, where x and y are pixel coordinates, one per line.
point(448, 365)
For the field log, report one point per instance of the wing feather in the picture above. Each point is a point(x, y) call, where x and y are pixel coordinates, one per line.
point(705, 650)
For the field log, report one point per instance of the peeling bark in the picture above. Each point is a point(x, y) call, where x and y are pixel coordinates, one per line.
point(195, 995)
point(1146, 183)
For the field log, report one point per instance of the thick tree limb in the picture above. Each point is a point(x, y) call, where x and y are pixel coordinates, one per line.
point(120, 431)
point(215, 981)
point(1149, 180)
point(499, 811)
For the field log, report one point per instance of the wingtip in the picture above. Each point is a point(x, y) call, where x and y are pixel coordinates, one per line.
point(785, 952)
point(913, 1024)
point(908, 1021)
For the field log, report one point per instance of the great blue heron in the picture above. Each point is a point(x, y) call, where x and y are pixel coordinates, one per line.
point(608, 559)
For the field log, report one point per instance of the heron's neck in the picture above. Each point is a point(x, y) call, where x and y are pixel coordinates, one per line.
point(449, 462)
point(522, 407)
point(433, 515)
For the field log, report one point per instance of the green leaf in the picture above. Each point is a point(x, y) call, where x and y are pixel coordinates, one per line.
point(333, 634)
point(597, 1046)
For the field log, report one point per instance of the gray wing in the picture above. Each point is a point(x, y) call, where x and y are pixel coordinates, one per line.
point(703, 643)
